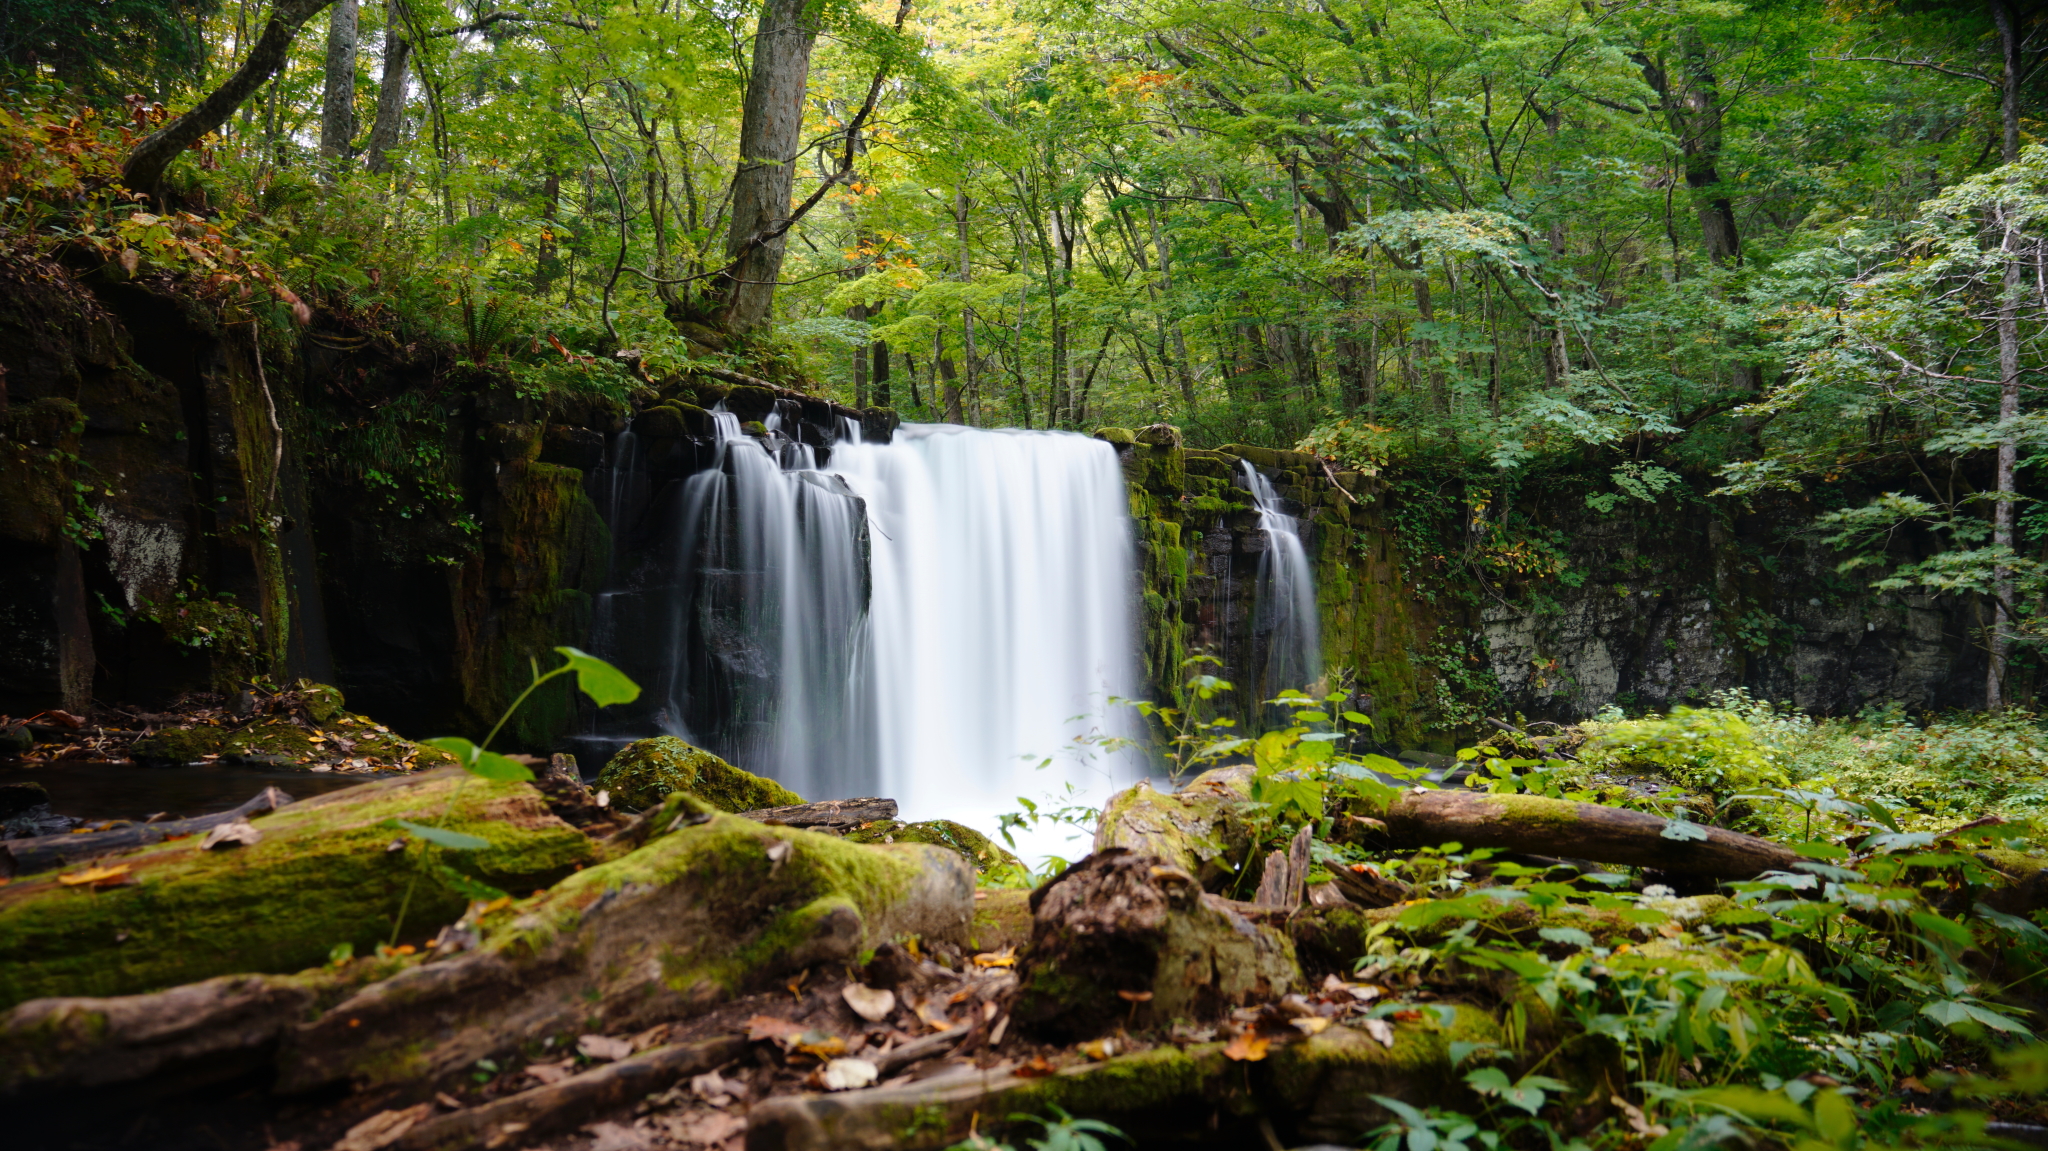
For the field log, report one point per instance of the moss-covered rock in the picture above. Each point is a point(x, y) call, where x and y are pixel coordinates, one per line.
point(1121, 436)
point(324, 873)
point(979, 849)
point(646, 772)
point(179, 744)
point(663, 421)
point(323, 701)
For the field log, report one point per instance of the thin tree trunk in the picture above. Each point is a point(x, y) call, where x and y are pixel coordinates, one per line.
point(145, 166)
point(389, 124)
point(771, 132)
point(338, 91)
point(1995, 695)
point(881, 350)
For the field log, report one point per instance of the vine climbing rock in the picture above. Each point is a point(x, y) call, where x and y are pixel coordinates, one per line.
point(647, 771)
point(1127, 938)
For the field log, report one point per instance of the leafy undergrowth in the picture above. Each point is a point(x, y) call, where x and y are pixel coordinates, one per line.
point(1883, 990)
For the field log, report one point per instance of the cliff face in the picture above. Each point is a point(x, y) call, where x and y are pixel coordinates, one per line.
point(186, 504)
point(1439, 612)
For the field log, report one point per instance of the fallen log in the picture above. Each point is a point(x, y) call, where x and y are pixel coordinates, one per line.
point(27, 856)
point(1532, 823)
point(328, 871)
point(562, 1106)
point(831, 814)
point(711, 907)
point(1318, 1089)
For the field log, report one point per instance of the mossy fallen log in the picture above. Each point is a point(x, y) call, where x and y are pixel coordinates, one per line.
point(328, 871)
point(712, 906)
point(1532, 823)
point(1315, 1089)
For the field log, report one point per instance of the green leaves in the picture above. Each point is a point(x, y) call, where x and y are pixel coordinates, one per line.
point(1526, 1093)
point(603, 683)
point(439, 836)
point(480, 763)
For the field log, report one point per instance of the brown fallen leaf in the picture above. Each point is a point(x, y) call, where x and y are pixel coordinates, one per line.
point(705, 1128)
point(762, 1027)
point(550, 1073)
point(1037, 1067)
point(383, 1129)
point(1310, 1024)
point(604, 1048)
point(616, 1137)
point(1247, 1047)
point(1381, 1030)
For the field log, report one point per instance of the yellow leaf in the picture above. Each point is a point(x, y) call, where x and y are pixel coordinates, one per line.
point(1007, 957)
point(1247, 1047)
point(94, 875)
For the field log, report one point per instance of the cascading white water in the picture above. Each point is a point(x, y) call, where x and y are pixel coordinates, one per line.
point(778, 600)
point(1001, 620)
point(1285, 627)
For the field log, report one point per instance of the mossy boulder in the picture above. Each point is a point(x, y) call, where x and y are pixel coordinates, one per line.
point(979, 849)
point(325, 873)
point(179, 744)
point(646, 772)
point(323, 701)
point(1119, 436)
point(663, 421)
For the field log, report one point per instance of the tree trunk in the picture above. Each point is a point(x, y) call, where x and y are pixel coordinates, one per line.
point(144, 169)
point(2011, 288)
point(338, 93)
point(880, 349)
point(390, 122)
point(771, 131)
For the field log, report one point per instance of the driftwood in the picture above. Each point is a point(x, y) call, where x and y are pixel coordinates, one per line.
point(1285, 879)
point(1529, 823)
point(26, 856)
point(561, 1106)
point(833, 814)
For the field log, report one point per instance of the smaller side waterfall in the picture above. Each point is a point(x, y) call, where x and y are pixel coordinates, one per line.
point(1287, 636)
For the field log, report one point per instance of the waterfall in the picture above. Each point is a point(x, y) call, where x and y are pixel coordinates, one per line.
point(1002, 619)
point(935, 619)
point(1287, 636)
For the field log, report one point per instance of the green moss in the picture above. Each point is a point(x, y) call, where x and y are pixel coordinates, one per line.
point(983, 852)
point(323, 701)
point(765, 910)
point(278, 740)
point(179, 744)
point(323, 874)
point(1116, 435)
point(663, 421)
point(1002, 918)
point(644, 773)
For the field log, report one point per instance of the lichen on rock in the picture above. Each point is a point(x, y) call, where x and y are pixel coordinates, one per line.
point(647, 771)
